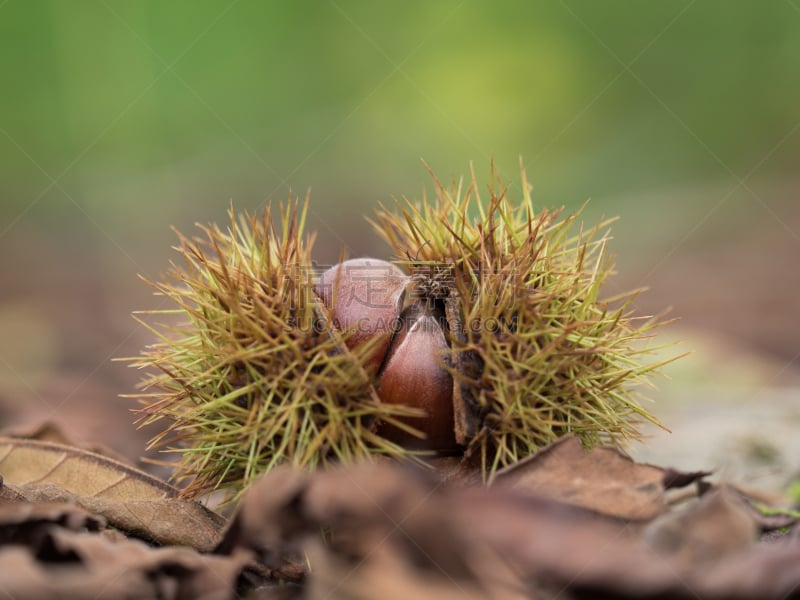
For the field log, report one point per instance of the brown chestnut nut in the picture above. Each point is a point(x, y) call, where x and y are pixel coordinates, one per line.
point(364, 296)
point(413, 375)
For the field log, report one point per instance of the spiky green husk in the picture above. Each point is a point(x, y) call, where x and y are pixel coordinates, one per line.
point(534, 349)
point(249, 375)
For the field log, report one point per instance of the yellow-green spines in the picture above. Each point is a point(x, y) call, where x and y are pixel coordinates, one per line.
point(534, 351)
point(248, 372)
point(502, 331)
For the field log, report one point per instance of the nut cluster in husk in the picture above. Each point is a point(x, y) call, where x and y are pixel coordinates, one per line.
point(486, 338)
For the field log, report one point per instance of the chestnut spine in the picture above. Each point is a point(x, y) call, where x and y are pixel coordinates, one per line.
point(486, 337)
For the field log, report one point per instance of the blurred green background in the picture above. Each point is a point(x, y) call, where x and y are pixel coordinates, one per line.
point(121, 119)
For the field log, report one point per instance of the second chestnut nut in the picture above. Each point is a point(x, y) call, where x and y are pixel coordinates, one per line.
point(373, 301)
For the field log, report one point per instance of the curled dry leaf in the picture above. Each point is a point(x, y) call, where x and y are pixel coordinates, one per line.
point(716, 526)
point(387, 574)
point(678, 479)
point(92, 566)
point(164, 521)
point(77, 471)
point(604, 480)
point(266, 527)
point(60, 550)
point(129, 499)
point(21, 522)
point(9, 494)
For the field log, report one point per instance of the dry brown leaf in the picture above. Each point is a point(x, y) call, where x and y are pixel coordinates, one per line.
point(54, 550)
point(604, 480)
point(456, 470)
point(66, 564)
point(21, 522)
point(169, 522)
point(714, 527)
point(165, 521)
point(266, 525)
point(387, 574)
point(9, 494)
point(129, 499)
point(678, 479)
point(77, 471)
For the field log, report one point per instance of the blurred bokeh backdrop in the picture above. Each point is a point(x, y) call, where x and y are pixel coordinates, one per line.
point(120, 119)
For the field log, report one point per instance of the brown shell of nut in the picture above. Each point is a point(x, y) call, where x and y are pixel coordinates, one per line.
point(365, 297)
point(413, 375)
